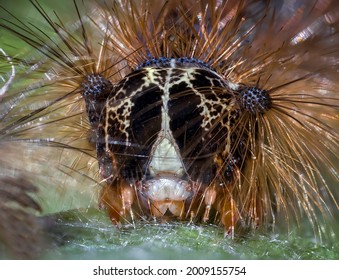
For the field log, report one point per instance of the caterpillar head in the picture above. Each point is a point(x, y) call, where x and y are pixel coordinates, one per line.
point(167, 139)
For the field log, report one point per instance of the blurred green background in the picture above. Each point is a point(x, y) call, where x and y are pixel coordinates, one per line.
point(88, 234)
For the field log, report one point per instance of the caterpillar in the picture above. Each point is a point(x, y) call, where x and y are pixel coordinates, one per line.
point(222, 112)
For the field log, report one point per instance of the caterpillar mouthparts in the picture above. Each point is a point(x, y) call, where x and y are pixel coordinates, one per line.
point(212, 111)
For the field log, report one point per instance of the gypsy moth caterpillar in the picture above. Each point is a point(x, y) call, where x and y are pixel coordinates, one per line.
point(264, 155)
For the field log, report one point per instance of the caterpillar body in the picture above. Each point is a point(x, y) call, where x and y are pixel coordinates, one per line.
point(203, 111)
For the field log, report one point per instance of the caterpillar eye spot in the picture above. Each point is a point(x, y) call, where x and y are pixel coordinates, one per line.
point(255, 100)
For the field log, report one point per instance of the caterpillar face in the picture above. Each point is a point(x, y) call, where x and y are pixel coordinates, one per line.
point(166, 136)
point(164, 130)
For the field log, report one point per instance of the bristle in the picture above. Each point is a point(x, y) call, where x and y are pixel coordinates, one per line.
point(250, 92)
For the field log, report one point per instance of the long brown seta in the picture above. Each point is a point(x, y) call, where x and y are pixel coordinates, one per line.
point(278, 61)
